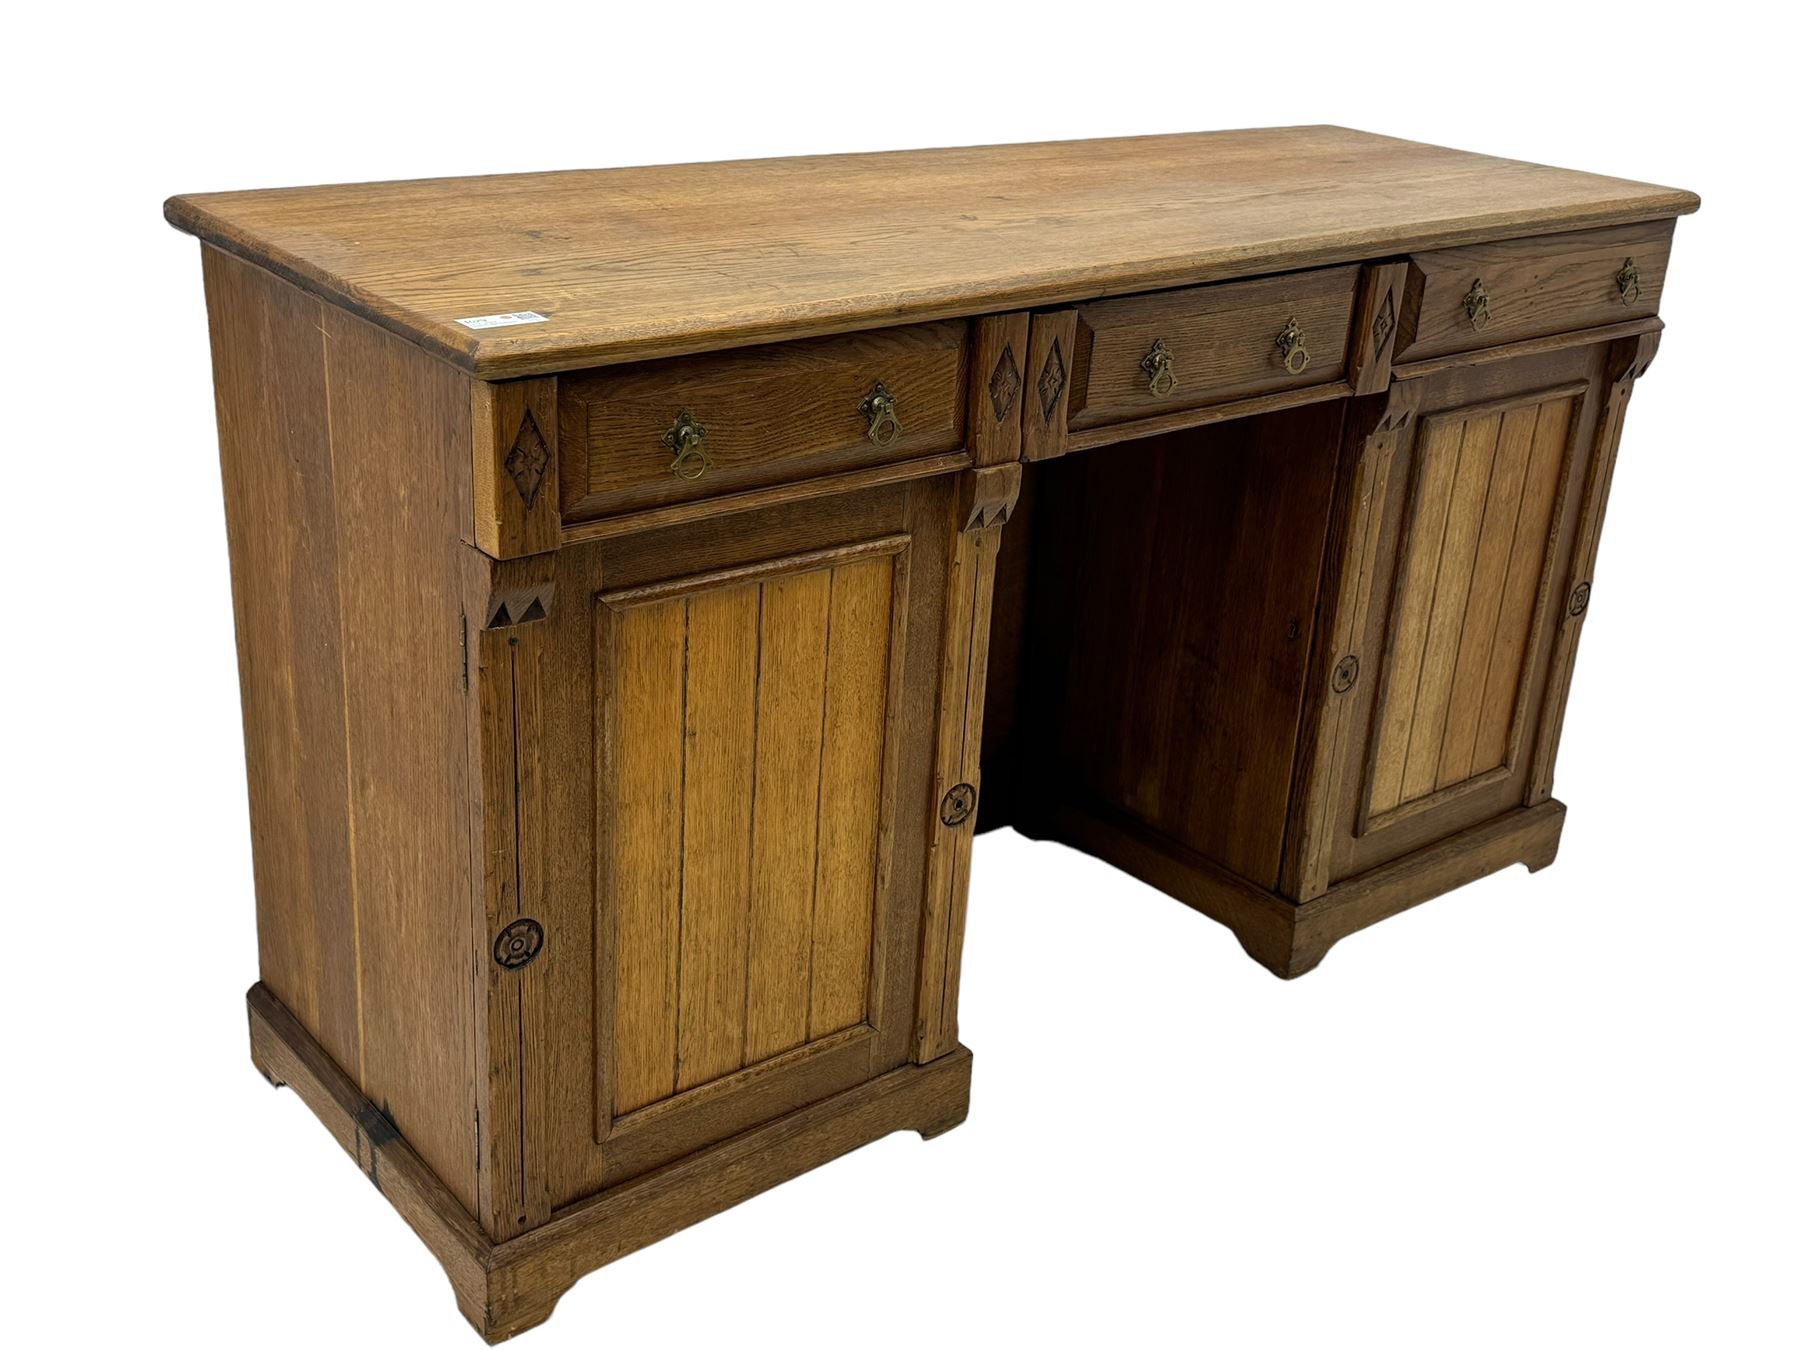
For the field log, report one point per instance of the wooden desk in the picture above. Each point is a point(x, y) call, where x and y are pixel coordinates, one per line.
point(622, 674)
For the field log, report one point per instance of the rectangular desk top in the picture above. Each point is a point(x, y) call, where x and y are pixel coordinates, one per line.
point(626, 264)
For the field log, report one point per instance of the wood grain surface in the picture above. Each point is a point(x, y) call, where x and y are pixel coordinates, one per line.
point(1178, 651)
point(1534, 287)
point(1291, 642)
point(354, 713)
point(748, 718)
point(776, 414)
point(1220, 339)
point(504, 1288)
point(1445, 614)
point(633, 263)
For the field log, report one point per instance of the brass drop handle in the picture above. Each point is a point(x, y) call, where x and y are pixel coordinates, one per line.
point(1291, 347)
point(1627, 280)
point(1475, 305)
point(1159, 367)
point(687, 438)
point(883, 414)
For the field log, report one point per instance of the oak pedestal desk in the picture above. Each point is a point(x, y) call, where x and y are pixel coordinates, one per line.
point(627, 642)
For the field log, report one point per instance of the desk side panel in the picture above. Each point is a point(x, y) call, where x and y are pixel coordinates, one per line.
point(281, 526)
point(346, 466)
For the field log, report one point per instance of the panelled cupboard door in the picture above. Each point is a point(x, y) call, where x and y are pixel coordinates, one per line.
point(1475, 486)
point(736, 803)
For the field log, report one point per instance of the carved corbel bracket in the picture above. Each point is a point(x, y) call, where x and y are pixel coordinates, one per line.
point(520, 592)
point(507, 609)
point(1635, 357)
point(1398, 409)
point(985, 497)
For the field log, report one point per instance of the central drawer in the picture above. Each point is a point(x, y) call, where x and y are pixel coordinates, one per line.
point(1146, 355)
point(641, 436)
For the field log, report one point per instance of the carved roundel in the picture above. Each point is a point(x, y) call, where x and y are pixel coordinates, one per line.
point(958, 804)
point(519, 943)
point(1345, 674)
point(1578, 602)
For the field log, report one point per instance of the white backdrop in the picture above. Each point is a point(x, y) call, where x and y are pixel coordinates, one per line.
point(1552, 1110)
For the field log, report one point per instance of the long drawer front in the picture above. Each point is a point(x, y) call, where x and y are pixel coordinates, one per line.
point(642, 436)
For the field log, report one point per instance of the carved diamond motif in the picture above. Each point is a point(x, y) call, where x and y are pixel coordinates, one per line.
point(1384, 323)
point(1050, 383)
point(527, 460)
point(1003, 388)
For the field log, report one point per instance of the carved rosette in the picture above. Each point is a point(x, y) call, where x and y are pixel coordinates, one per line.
point(519, 943)
point(958, 805)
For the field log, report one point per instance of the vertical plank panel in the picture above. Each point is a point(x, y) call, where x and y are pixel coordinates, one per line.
point(1439, 444)
point(1499, 523)
point(717, 810)
point(1449, 605)
point(1154, 655)
point(850, 793)
point(397, 416)
point(646, 736)
point(795, 633)
point(1512, 630)
point(280, 520)
point(1107, 629)
point(1228, 605)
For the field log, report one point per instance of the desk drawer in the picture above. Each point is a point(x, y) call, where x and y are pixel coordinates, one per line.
point(670, 431)
point(1147, 355)
point(1489, 294)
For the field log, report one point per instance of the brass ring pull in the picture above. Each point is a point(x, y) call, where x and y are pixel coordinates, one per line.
point(1159, 366)
point(883, 414)
point(1291, 347)
point(1475, 305)
point(687, 438)
point(1627, 280)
